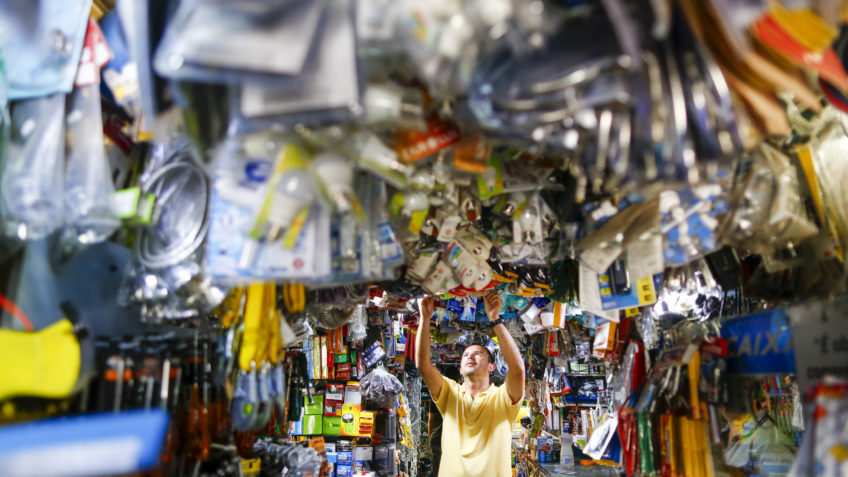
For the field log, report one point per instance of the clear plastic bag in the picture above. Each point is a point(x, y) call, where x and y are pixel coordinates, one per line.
point(42, 42)
point(33, 169)
point(382, 388)
point(89, 215)
point(770, 213)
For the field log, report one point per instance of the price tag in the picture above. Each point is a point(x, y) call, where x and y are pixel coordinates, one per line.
point(631, 312)
point(251, 466)
point(647, 293)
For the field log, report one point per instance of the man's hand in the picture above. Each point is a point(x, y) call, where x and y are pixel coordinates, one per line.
point(425, 306)
point(430, 374)
point(493, 304)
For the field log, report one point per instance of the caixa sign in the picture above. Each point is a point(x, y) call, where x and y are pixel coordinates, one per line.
point(760, 343)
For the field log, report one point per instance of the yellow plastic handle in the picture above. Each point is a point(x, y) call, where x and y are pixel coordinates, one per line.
point(44, 363)
point(252, 325)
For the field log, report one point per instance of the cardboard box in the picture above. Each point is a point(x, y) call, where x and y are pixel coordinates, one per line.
point(317, 407)
point(350, 419)
point(352, 395)
point(333, 410)
point(332, 426)
point(344, 470)
point(331, 455)
point(366, 424)
point(345, 457)
point(363, 454)
point(313, 425)
point(296, 427)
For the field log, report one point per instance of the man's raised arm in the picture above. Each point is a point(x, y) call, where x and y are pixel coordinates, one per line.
point(515, 375)
point(431, 375)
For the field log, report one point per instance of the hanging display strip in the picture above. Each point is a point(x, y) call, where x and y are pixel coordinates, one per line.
point(761, 343)
point(453, 238)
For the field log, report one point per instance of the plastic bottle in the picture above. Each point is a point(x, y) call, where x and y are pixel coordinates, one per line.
point(566, 453)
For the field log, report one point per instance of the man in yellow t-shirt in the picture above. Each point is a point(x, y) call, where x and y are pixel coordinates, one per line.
point(478, 416)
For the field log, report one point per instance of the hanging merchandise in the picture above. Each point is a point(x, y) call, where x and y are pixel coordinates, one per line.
point(221, 223)
point(33, 169)
point(90, 215)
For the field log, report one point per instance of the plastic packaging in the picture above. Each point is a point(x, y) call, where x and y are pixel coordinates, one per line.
point(89, 214)
point(219, 42)
point(181, 187)
point(770, 213)
point(566, 452)
point(42, 43)
point(327, 92)
point(382, 388)
point(33, 169)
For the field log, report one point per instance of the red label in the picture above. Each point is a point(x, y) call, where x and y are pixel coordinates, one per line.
point(413, 146)
point(95, 54)
point(717, 347)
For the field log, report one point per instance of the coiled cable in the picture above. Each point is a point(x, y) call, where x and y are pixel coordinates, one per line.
point(172, 241)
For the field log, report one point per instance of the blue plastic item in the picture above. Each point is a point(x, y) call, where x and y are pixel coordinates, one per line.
point(86, 445)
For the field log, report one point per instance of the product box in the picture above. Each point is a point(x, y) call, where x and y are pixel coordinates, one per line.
point(335, 393)
point(343, 370)
point(332, 426)
point(366, 424)
point(353, 395)
point(344, 470)
point(363, 454)
point(296, 427)
point(618, 292)
point(345, 458)
point(333, 400)
point(373, 353)
point(313, 425)
point(331, 454)
point(350, 419)
point(317, 406)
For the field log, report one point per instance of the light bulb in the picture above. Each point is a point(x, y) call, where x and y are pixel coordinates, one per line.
point(289, 197)
point(527, 222)
point(336, 173)
point(382, 103)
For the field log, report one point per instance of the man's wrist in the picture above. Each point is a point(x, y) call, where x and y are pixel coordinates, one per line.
point(497, 321)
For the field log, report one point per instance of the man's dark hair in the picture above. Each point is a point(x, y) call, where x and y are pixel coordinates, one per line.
point(488, 352)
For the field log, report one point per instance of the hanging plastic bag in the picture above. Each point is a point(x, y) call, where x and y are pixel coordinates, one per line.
point(89, 215)
point(601, 436)
point(42, 42)
point(381, 388)
point(33, 169)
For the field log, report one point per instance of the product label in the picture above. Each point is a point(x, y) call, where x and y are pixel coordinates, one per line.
point(820, 336)
point(414, 146)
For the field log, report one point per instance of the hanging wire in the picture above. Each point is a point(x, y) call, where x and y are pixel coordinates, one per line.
point(168, 244)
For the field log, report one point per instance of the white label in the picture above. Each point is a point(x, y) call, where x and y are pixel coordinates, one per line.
point(599, 259)
point(820, 339)
point(590, 295)
point(448, 228)
point(645, 257)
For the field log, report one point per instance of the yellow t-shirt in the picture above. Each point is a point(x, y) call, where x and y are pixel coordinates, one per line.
point(476, 434)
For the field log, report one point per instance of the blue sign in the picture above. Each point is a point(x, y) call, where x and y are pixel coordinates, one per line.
point(760, 343)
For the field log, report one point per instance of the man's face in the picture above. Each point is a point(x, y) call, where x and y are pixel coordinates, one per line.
point(475, 361)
